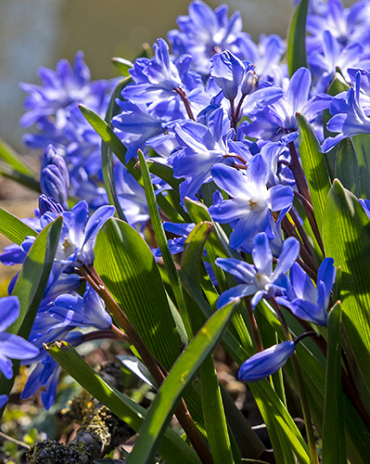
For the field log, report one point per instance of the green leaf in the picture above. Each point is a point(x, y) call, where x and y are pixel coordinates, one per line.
point(8, 155)
point(172, 388)
point(109, 461)
point(191, 264)
point(346, 167)
point(312, 365)
point(13, 228)
point(214, 415)
point(296, 53)
point(333, 440)
point(30, 286)
point(272, 409)
point(107, 156)
point(34, 276)
point(21, 178)
point(122, 65)
point(162, 242)
point(280, 424)
point(338, 85)
point(361, 143)
point(165, 173)
point(138, 368)
point(314, 167)
point(172, 447)
point(217, 244)
point(111, 139)
point(346, 235)
point(128, 269)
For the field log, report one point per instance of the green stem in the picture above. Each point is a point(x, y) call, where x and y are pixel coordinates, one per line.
point(301, 389)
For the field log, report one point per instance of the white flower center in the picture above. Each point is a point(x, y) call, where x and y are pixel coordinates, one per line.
point(262, 280)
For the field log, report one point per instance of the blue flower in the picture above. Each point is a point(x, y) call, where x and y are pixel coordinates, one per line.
point(12, 346)
point(48, 204)
point(176, 245)
point(54, 177)
point(306, 301)
point(205, 32)
point(349, 117)
point(135, 125)
point(79, 233)
point(61, 88)
point(266, 57)
point(266, 362)
point(324, 65)
point(201, 147)
point(259, 280)
point(46, 374)
point(228, 72)
point(277, 119)
point(364, 203)
point(3, 400)
point(75, 311)
point(249, 209)
point(16, 254)
point(131, 197)
point(162, 84)
point(343, 23)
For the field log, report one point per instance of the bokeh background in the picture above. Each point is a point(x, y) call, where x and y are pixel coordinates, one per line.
point(37, 33)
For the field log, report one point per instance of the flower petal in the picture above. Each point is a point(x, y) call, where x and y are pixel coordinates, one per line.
point(9, 311)
point(235, 292)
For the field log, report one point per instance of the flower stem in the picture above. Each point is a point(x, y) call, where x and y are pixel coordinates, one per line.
point(303, 235)
point(252, 319)
point(114, 333)
point(304, 191)
point(186, 102)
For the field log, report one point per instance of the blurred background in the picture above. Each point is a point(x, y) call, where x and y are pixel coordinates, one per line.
point(37, 33)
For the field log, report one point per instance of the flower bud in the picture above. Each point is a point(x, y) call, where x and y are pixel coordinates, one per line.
point(250, 81)
point(228, 72)
point(54, 177)
point(265, 363)
point(48, 204)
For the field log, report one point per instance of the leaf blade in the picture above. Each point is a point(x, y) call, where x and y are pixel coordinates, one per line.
point(346, 235)
point(296, 53)
point(314, 167)
point(334, 444)
point(172, 448)
point(13, 228)
point(181, 374)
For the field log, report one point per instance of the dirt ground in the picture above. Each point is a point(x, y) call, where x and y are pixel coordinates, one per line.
point(21, 202)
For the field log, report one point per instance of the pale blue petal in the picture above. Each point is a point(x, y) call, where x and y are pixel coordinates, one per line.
point(9, 311)
point(242, 271)
point(239, 291)
point(287, 257)
point(261, 254)
point(229, 179)
point(280, 197)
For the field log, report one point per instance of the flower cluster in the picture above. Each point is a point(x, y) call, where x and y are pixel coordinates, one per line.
point(220, 112)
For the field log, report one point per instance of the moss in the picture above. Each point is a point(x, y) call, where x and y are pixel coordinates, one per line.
point(100, 431)
point(52, 452)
